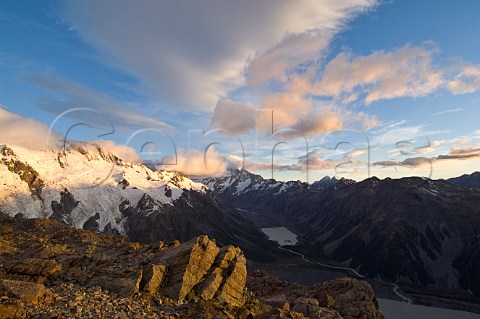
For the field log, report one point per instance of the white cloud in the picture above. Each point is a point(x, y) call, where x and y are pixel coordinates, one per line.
point(290, 113)
point(275, 63)
point(235, 118)
point(192, 53)
point(319, 123)
point(24, 132)
point(466, 81)
point(460, 154)
point(193, 162)
point(235, 162)
point(124, 152)
point(408, 71)
point(455, 157)
point(447, 111)
point(404, 137)
point(34, 135)
point(412, 162)
point(287, 110)
point(318, 163)
point(404, 72)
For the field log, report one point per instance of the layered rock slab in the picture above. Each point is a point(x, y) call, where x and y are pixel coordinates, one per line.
point(195, 269)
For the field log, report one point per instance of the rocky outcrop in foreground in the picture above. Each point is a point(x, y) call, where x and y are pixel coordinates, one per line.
point(49, 270)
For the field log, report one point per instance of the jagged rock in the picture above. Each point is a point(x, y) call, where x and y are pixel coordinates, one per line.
point(62, 211)
point(227, 277)
point(123, 284)
point(308, 306)
point(7, 151)
point(6, 247)
point(210, 285)
point(235, 274)
point(22, 290)
point(347, 297)
point(174, 243)
point(187, 264)
point(161, 245)
point(11, 310)
point(323, 313)
point(91, 275)
point(53, 250)
point(26, 173)
point(152, 278)
point(35, 267)
point(353, 298)
point(92, 223)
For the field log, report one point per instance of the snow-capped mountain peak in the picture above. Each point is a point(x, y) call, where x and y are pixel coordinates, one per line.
point(239, 182)
point(39, 184)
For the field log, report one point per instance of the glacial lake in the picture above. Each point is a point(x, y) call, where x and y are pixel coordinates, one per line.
point(400, 310)
point(281, 235)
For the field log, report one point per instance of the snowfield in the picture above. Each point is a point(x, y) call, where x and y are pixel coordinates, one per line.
point(99, 182)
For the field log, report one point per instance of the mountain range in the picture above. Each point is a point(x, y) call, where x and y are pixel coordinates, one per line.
point(408, 231)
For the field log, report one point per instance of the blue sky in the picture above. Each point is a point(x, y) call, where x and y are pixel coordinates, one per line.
point(397, 80)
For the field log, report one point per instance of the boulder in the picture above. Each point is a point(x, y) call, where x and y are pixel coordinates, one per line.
point(152, 277)
point(207, 288)
point(11, 310)
point(35, 267)
point(226, 278)
point(345, 297)
point(6, 247)
point(352, 298)
point(232, 288)
point(121, 284)
point(22, 290)
point(187, 265)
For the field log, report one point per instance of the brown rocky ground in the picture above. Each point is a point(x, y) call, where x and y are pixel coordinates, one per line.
point(340, 298)
point(49, 270)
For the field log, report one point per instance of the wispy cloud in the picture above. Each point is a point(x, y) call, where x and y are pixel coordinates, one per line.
point(455, 154)
point(447, 111)
point(67, 95)
point(203, 58)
